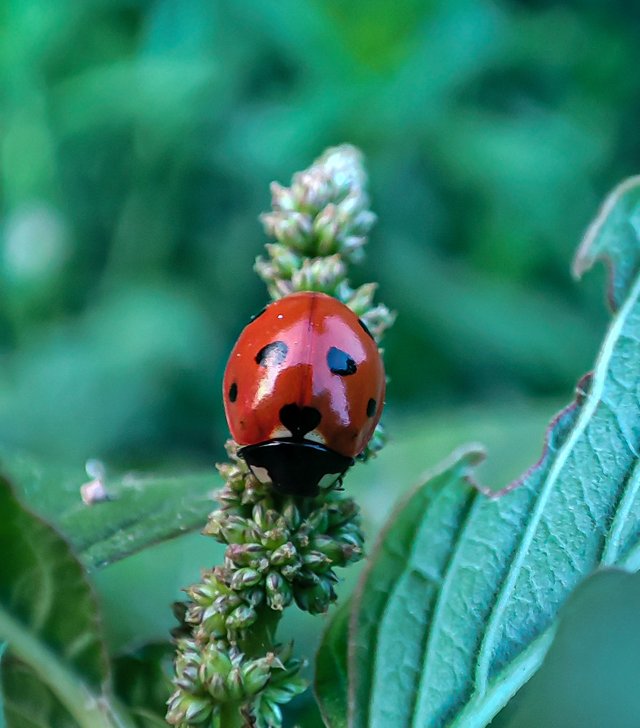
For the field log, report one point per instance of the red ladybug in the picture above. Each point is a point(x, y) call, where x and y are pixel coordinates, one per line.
point(303, 391)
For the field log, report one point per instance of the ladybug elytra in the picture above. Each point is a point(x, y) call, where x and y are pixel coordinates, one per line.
point(303, 391)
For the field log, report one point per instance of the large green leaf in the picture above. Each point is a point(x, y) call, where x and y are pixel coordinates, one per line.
point(142, 679)
point(460, 601)
point(30, 703)
point(3, 647)
point(332, 671)
point(49, 618)
point(140, 510)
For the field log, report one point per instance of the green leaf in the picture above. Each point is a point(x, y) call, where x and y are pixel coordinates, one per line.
point(331, 669)
point(142, 680)
point(3, 724)
point(613, 238)
point(29, 703)
point(460, 601)
point(590, 674)
point(140, 511)
point(49, 617)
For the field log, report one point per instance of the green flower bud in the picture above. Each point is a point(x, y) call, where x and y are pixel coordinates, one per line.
point(244, 578)
point(270, 714)
point(241, 617)
point(260, 517)
point(214, 662)
point(214, 524)
point(179, 611)
point(329, 547)
point(202, 594)
point(284, 260)
point(290, 571)
point(287, 691)
point(215, 624)
point(226, 528)
point(175, 712)
point(217, 687)
point(291, 228)
point(306, 577)
point(252, 493)
point(291, 515)
point(245, 554)
point(353, 539)
point(281, 197)
point(273, 582)
point(326, 228)
point(301, 539)
point(330, 576)
point(311, 191)
point(194, 613)
point(292, 668)
point(351, 554)
point(197, 709)
point(278, 591)
point(275, 537)
point(318, 520)
point(315, 599)
point(316, 561)
point(188, 679)
point(362, 298)
point(235, 685)
point(285, 653)
point(285, 554)
point(319, 274)
point(224, 603)
point(342, 511)
point(255, 596)
point(255, 675)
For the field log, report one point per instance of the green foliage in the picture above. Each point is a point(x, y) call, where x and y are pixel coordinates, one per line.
point(139, 140)
point(139, 511)
point(463, 590)
point(141, 680)
point(30, 704)
point(49, 617)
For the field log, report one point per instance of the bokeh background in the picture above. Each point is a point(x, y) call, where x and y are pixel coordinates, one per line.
point(138, 140)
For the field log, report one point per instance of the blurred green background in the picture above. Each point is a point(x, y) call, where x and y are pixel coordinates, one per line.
point(138, 140)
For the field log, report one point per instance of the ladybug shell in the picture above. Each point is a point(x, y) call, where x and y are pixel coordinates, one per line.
point(307, 376)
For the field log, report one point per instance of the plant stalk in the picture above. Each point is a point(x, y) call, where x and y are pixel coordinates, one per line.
point(89, 709)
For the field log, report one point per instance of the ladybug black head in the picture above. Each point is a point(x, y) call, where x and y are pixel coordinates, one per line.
point(295, 466)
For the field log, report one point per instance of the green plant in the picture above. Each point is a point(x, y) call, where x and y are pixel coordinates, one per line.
point(466, 587)
point(280, 550)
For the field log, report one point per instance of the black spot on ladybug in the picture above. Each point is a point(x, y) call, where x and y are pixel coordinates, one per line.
point(340, 362)
point(257, 315)
point(371, 407)
point(272, 354)
point(365, 327)
point(233, 392)
point(299, 420)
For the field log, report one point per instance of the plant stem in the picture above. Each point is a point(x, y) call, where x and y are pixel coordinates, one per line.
point(89, 709)
point(230, 716)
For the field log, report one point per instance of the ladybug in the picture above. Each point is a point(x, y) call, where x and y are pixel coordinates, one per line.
point(303, 391)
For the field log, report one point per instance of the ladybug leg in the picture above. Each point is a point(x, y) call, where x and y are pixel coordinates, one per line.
point(338, 485)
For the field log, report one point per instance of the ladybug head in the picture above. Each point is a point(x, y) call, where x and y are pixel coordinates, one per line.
point(295, 467)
